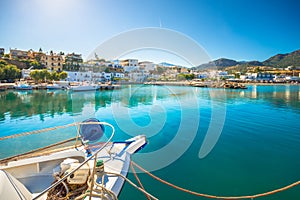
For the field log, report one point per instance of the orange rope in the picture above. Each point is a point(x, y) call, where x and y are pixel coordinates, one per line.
point(138, 180)
point(36, 131)
point(213, 196)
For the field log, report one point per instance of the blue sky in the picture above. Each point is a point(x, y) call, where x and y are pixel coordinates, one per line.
point(236, 29)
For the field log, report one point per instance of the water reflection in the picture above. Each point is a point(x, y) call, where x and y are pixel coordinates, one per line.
point(18, 104)
point(278, 96)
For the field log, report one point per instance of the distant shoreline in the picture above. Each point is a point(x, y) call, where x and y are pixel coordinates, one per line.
point(270, 84)
point(4, 86)
point(187, 83)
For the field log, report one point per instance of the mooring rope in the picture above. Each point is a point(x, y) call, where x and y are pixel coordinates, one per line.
point(213, 196)
point(131, 183)
point(138, 180)
point(49, 129)
point(36, 131)
point(30, 153)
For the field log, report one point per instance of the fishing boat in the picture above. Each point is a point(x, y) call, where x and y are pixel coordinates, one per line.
point(87, 169)
point(55, 86)
point(84, 87)
point(198, 83)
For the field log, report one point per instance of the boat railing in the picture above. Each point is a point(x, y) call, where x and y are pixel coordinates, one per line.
point(94, 155)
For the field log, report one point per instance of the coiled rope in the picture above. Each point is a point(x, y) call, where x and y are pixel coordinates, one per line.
point(213, 196)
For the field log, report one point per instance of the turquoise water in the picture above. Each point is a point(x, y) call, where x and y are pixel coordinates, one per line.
point(253, 134)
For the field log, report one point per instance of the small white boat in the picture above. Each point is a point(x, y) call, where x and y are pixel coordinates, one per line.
point(55, 86)
point(91, 169)
point(23, 86)
point(84, 87)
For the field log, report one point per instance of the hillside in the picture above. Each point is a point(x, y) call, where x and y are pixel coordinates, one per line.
point(284, 60)
point(279, 60)
point(220, 63)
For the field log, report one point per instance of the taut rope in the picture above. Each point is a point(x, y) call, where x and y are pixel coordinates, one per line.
point(213, 196)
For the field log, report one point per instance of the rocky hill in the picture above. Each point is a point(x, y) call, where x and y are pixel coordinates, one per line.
point(278, 61)
point(220, 63)
point(284, 60)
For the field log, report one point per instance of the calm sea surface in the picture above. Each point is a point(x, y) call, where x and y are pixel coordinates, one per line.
point(250, 138)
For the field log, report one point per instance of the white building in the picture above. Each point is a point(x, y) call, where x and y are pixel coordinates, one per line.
point(129, 64)
point(79, 76)
point(146, 66)
point(92, 76)
point(222, 73)
point(248, 77)
point(292, 78)
point(138, 76)
point(202, 75)
point(26, 73)
point(212, 74)
point(118, 75)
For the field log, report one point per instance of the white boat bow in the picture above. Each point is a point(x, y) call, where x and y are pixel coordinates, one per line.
point(33, 176)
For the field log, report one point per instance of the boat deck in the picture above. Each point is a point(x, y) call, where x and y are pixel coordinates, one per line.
point(39, 169)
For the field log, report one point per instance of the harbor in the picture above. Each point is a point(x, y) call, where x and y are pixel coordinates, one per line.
point(249, 128)
point(132, 100)
point(11, 86)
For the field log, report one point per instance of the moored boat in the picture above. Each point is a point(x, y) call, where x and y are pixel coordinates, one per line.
point(89, 169)
point(55, 86)
point(23, 86)
point(84, 87)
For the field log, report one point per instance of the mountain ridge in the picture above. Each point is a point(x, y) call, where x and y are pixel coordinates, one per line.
point(276, 61)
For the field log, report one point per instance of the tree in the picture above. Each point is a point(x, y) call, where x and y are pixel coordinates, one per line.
point(3, 63)
point(189, 76)
point(35, 75)
point(35, 64)
point(257, 69)
point(106, 70)
point(44, 75)
point(54, 76)
point(63, 75)
point(160, 70)
point(40, 75)
point(117, 79)
point(10, 72)
point(1, 74)
point(180, 77)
